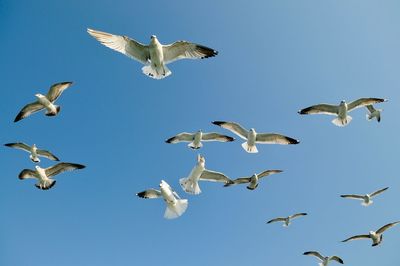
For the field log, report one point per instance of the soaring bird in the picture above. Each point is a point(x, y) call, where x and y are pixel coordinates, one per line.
point(376, 237)
point(44, 102)
point(190, 184)
point(286, 220)
point(43, 175)
point(154, 56)
point(373, 113)
point(340, 111)
point(252, 180)
point(196, 138)
point(324, 260)
point(252, 137)
point(367, 198)
point(33, 150)
point(175, 205)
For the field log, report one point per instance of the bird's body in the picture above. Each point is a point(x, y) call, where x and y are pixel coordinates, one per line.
point(196, 138)
point(34, 152)
point(375, 236)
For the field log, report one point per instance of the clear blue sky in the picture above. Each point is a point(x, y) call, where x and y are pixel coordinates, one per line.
point(275, 58)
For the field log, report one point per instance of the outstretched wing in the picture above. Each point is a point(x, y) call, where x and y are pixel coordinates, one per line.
point(62, 167)
point(181, 137)
point(150, 194)
point(357, 237)
point(47, 154)
point(386, 227)
point(208, 175)
point(19, 145)
point(273, 138)
point(186, 50)
point(371, 108)
point(336, 258)
point(379, 191)
point(314, 253)
point(28, 173)
point(327, 109)
point(363, 102)
point(28, 110)
point(353, 196)
point(297, 215)
point(122, 44)
point(278, 219)
point(268, 172)
point(216, 137)
point(56, 90)
point(233, 127)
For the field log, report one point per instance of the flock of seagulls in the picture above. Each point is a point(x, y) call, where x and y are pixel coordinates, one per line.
point(155, 58)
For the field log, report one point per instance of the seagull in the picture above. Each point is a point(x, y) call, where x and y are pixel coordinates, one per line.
point(253, 180)
point(175, 205)
point(324, 260)
point(33, 150)
point(373, 113)
point(200, 173)
point(252, 137)
point(376, 237)
point(365, 198)
point(286, 220)
point(154, 56)
point(340, 110)
point(44, 102)
point(196, 138)
point(43, 175)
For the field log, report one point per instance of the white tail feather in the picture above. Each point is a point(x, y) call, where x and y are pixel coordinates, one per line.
point(189, 186)
point(249, 149)
point(366, 204)
point(194, 146)
point(175, 210)
point(342, 122)
point(160, 73)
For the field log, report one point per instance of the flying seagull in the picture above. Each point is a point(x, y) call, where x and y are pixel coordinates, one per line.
point(252, 180)
point(175, 205)
point(324, 260)
point(373, 113)
point(286, 220)
point(252, 137)
point(200, 173)
point(367, 198)
point(341, 110)
point(376, 237)
point(154, 56)
point(33, 150)
point(196, 138)
point(43, 175)
point(44, 102)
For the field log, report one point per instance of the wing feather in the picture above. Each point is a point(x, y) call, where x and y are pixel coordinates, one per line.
point(273, 138)
point(56, 90)
point(186, 50)
point(28, 110)
point(150, 194)
point(62, 167)
point(320, 109)
point(19, 145)
point(233, 127)
point(187, 137)
point(216, 137)
point(363, 102)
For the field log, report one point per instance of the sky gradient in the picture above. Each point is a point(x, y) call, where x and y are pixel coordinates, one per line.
point(275, 57)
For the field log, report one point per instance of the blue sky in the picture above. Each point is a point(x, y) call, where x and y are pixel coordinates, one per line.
point(275, 58)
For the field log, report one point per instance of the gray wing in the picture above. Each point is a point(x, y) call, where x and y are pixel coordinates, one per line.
point(19, 145)
point(234, 127)
point(208, 175)
point(323, 108)
point(273, 138)
point(336, 258)
point(241, 180)
point(56, 90)
point(150, 194)
point(268, 172)
point(216, 137)
point(357, 237)
point(278, 219)
point(353, 196)
point(62, 167)
point(28, 110)
point(186, 50)
point(363, 102)
point(188, 137)
point(297, 215)
point(122, 44)
point(47, 155)
point(371, 108)
point(379, 191)
point(386, 227)
point(28, 173)
point(314, 253)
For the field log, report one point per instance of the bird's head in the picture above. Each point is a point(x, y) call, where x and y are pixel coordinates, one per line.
point(371, 233)
point(342, 102)
point(153, 37)
point(163, 184)
point(37, 167)
point(38, 95)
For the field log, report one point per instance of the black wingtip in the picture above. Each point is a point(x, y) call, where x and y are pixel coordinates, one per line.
point(8, 144)
point(17, 118)
point(141, 194)
point(169, 140)
point(292, 140)
point(218, 123)
point(230, 139)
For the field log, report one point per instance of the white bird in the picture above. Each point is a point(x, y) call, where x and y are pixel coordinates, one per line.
point(324, 260)
point(340, 111)
point(43, 175)
point(286, 220)
point(196, 138)
point(200, 173)
point(376, 237)
point(373, 113)
point(175, 205)
point(367, 198)
point(33, 150)
point(44, 102)
point(252, 137)
point(154, 56)
point(252, 180)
